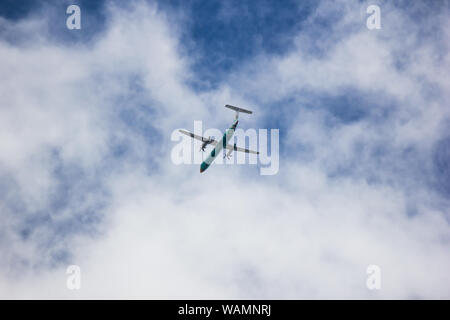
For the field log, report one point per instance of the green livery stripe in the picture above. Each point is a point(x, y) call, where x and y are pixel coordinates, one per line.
point(203, 166)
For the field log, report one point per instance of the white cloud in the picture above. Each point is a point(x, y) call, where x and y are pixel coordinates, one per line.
point(172, 233)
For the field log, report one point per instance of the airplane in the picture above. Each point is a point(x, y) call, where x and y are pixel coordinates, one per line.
point(223, 143)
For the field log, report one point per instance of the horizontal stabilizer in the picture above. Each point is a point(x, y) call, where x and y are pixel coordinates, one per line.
point(238, 109)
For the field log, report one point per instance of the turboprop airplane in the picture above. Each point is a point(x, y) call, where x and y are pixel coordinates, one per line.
point(223, 143)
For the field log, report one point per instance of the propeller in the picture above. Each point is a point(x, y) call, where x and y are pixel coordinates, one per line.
point(228, 154)
point(205, 143)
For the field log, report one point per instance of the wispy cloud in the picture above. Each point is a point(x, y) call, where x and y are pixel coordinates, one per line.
point(86, 176)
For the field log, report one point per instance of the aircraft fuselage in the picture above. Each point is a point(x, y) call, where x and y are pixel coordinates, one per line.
point(219, 146)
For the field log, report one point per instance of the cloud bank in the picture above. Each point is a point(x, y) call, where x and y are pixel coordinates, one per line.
point(86, 176)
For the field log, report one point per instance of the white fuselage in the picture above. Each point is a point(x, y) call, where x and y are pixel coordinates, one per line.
point(221, 144)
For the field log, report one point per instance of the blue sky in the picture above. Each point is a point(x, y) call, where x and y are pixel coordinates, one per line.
point(87, 117)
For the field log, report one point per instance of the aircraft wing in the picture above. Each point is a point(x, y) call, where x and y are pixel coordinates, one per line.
point(230, 147)
point(200, 138)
